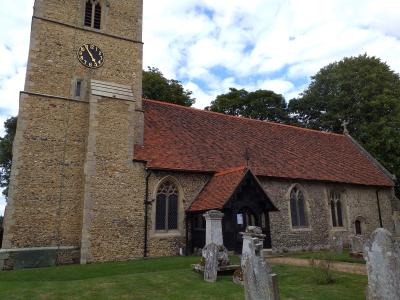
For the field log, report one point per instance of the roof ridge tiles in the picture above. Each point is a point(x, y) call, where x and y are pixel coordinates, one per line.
point(242, 118)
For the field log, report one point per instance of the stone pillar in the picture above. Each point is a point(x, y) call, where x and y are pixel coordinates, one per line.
point(259, 282)
point(214, 227)
point(252, 235)
point(382, 255)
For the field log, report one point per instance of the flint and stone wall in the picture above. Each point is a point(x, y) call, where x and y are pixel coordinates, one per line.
point(189, 185)
point(358, 202)
point(45, 198)
point(51, 174)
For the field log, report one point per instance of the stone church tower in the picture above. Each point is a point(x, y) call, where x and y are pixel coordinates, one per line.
point(79, 119)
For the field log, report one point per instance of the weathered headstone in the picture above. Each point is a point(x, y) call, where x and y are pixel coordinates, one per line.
point(337, 244)
point(214, 227)
point(214, 253)
point(382, 255)
point(357, 244)
point(259, 282)
point(210, 254)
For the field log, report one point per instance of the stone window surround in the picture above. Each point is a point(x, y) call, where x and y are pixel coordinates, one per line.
point(84, 87)
point(363, 223)
point(343, 200)
point(307, 209)
point(104, 13)
point(181, 211)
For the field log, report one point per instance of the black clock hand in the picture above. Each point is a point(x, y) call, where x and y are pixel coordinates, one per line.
point(87, 48)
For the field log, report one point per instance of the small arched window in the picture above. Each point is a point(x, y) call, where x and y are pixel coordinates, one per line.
point(93, 14)
point(358, 227)
point(297, 208)
point(336, 210)
point(167, 207)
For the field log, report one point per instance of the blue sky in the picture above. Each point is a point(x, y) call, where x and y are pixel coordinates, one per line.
point(214, 45)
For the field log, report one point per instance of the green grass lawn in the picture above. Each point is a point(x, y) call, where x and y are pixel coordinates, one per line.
point(344, 257)
point(163, 278)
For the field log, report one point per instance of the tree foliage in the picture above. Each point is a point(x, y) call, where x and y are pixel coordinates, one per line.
point(363, 91)
point(6, 142)
point(157, 87)
point(260, 105)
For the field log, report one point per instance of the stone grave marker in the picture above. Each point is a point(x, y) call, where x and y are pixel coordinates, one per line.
point(259, 282)
point(214, 253)
point(337, 244)
point(214, 227)
point(210, 254)
point(357, 245)
point(382, 254)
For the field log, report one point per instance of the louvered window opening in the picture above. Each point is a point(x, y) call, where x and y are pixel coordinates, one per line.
point(93, 14)
point(167, 207)
point(336, 210)
point(297, 209)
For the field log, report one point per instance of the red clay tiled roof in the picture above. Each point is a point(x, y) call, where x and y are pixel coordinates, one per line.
point(218, 190)
point(187, 139)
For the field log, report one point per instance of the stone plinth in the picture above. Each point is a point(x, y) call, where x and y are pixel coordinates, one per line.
point(214, 227)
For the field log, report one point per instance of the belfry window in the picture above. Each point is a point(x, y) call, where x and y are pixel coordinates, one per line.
point(167, 207)
point(93, 14)
point(297, 208)
point(336, 210)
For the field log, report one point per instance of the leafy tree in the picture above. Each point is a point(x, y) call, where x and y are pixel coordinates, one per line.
point(6, 143)
point(260, 105)
point(157, 87)
point(363, 91)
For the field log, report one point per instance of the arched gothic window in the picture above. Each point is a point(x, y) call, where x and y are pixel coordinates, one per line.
point(336, 210)
point(298, 208)
point(167, 207)
point(93, 14)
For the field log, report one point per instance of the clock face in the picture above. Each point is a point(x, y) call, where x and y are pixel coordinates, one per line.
point(90, 56)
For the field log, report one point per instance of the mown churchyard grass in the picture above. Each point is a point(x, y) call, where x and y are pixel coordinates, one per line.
point(162, 278)
point(335, 256)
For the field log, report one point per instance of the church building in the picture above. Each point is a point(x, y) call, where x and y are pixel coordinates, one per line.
point(100, 174)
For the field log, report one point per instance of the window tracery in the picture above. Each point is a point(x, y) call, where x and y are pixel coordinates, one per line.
point(167, 207)
point(336, 210)
point(298, 209)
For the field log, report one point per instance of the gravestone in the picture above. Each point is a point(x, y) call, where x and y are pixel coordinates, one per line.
point(214, 253)
point(357, 244)
point(382, 254)
point(259, 282)
point(337, 244)
point(210, 254)
point(214, 227)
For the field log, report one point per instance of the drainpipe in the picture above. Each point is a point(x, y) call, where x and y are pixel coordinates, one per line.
point(187, 233)
point(146, 218)
point(379, 207)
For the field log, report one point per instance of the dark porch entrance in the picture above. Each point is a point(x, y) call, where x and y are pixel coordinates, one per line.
point(247, 206)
